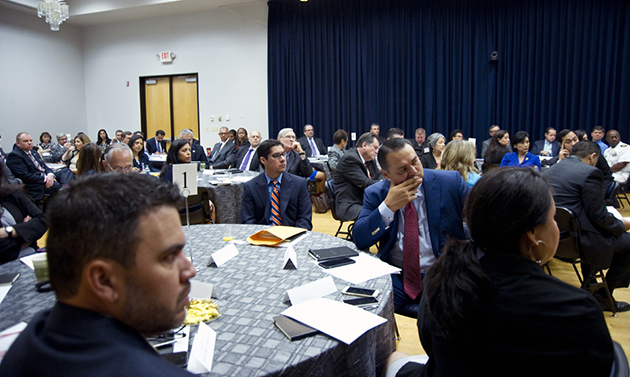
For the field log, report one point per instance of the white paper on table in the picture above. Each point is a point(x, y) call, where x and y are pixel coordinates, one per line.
point(294, 241)
point(290, 259)
point(223, 255)
point(208, 172)
point(182, 344)
point(202, 352)
point(315, 289)
point(28, 260)
point(4, 290)
point(200, 289)
point(240, 178)
point(366, 268)
point(8, 336)
point(341, 321)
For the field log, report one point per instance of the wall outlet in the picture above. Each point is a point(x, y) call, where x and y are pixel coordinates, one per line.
point(353, 136)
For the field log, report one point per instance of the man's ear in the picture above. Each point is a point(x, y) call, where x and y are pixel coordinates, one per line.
point(105, 279)
point(385, 174)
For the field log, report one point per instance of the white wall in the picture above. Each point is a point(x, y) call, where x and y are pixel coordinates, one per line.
point(227, 47)
point(41, 77)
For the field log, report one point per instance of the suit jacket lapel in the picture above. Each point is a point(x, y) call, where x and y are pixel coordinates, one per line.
point(285, 194)
point(432, 202)
point(263, 194)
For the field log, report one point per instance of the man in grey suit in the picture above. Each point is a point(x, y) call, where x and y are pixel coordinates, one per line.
point(355, 172)
point(486, 143)
point(578, 185)
point(224, 152)
point(247, 158)
point(297, 163)
point(338, 150)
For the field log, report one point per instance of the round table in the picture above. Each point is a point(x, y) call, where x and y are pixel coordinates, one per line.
point(250, 289)
point(226, 198)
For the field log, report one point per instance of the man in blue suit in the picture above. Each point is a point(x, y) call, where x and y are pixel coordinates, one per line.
point(157, 144)
point(435, 197)
point(549, 146)
point(294, 207)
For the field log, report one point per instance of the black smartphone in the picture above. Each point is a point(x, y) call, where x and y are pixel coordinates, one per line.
point(361, 301)
point(361, 292)
point(336, 262)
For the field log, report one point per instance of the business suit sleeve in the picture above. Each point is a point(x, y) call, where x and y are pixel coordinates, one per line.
point(305, 167)
point(354, 173)
point(248, 208)
point(333, 158)
point(304, 208)
point(537, 147)
point(35, 228)
point(369, 227)
point(595, 208)
point(151, 146)
point(227, 159)
point(322, 148)
point(18, 166)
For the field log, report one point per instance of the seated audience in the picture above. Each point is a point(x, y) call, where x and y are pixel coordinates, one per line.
point(395, 132)
point(549, 146)
point(312, 146)
point(581, 135)
point(355, 172)
point(486, 143)
point(232, 136)
point(241, 139)
point(223, 154)
point(456, 135)
point(119, 137)
point(22, 223)
point(376, 130)
point(420, 145)
point(178, 153)
point(118, 158)
point(103, 140)
point(459, 155)
point(437, 143)
point(39, 179)
point(140, 159)
point(157, 145)
point(118, 269)
point(8, 175)
point(58, 149)
point(246, 157)
point(276, 197)
point(489, 308)
point(296, 161)
point(522, 158)
point(498, 148)
point(617, 156)
point(126, 136)
point(338, 149)
point(45, 145)
point(89, 160)
point(71, 156)
point(598, 135)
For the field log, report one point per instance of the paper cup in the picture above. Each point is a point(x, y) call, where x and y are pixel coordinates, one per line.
point(40, 265)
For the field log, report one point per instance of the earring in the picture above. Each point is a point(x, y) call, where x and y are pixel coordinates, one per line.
point(539, 261)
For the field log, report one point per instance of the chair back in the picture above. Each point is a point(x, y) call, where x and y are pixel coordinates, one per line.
point(569, 245)
point(198, 209)
point(620, 362)
point(330, 194)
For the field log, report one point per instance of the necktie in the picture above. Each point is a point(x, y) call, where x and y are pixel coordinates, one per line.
point(368, 170)
point(412, 279)
point(276, 219)
point(159, 146)
point(246, 159)
point(37, 165)
point(313, 148)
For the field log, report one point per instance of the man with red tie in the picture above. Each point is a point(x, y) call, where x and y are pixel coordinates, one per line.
point(276, 197)
point(411, 213)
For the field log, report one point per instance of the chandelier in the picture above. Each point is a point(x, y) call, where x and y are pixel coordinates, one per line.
point(55, 11)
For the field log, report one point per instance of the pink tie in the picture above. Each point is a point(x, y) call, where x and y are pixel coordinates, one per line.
point(412, 279)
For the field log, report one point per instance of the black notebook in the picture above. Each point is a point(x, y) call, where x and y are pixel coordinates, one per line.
point(332, 253)
point(293, 329)
point(8, 279)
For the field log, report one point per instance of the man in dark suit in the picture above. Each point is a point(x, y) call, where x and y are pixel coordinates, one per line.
point(297, 163)
point(311, 145)
point(246, 156)
point(224, 153)
point(129, 281)
point(549, 146)
point(355, 172)
point(432, 199)
point(577, 185)
point(157, 144)
point(197, 153)
point(31, 169)
point(258, 205)
point(420, 144)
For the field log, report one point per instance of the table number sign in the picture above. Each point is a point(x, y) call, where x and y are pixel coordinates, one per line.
point(185, 177)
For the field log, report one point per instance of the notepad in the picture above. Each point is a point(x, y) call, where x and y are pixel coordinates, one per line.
point(332, 253)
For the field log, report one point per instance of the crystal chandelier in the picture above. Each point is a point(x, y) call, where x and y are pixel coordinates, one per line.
point(55, 11)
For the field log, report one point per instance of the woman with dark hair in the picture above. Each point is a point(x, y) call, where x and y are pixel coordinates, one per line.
point(22, 223)
point(499, 146)
point(89, 160)
point(437, 143)
point(71, 156)
point(241, 138)
point(103, 140)
point(522, 158)
point(45, 145)
point(140, 159)
point(489, 309)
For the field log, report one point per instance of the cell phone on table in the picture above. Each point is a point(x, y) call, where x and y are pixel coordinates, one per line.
point(361, 292)
point(336, 262)
point(361, 301)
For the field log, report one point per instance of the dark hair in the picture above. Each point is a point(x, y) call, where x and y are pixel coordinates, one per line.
point(6, 188)
point(501, 207)
point(495, 151)
point(580, 134)
point(89, 158)
point(133, 140)
point(172, 156)
point(243, 130)
point(125, 133)
point(339, 136)
point(233, 132)
point(519, 137)
point(584, 148)
point(160, 132)
point(561, 135)
point(367, 137)
point(549, 129)
point(265, 147)
point(390, 145)
point(41, 137)
point(98, 217)
point(99, 141)
point(395, 131)
point(598, 128)
point(454, 133)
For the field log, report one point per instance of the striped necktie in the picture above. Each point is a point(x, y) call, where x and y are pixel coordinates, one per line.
point(276, 219)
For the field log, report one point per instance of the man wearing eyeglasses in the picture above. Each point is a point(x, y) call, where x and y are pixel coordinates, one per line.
point(224, 152)
point(297, 162)
point(276, 197)
point(118, 158)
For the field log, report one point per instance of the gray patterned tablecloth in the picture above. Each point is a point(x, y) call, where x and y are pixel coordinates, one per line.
point(250, 288)
point(226, 198)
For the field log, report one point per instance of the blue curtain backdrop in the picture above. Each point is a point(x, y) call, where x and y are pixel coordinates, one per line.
point(417, 63)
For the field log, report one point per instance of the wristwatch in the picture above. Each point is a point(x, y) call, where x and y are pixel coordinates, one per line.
point(9, 230)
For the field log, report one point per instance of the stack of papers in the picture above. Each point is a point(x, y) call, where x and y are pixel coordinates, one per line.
point(365, 269)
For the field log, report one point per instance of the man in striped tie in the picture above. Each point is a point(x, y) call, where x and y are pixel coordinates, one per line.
point(276, 197)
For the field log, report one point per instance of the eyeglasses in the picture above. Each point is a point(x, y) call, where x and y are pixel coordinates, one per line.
point(289, 137)
point(277, 156)
point(119, 169)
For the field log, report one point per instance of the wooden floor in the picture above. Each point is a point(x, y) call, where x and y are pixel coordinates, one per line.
point(619, 326)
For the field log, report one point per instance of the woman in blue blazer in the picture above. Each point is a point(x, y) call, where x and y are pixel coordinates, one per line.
point(521, 158)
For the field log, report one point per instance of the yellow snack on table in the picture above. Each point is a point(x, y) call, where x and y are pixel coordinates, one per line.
point(200, 310)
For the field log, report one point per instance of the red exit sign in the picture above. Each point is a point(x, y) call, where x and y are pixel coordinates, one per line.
point(166, 57)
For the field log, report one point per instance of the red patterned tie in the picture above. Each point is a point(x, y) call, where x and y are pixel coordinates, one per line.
point(276, 219)
point(412, 280)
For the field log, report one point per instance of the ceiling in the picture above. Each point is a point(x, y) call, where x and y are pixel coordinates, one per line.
point(98, 12)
